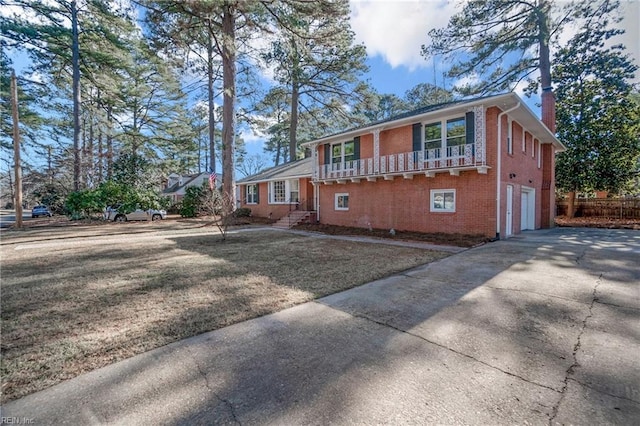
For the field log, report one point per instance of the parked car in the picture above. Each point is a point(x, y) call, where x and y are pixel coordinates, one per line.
point(114, 213)
point(38, 211)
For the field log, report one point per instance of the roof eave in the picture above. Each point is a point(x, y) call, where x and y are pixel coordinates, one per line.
point(503, 101)
point(409, 120)
point(271, 179)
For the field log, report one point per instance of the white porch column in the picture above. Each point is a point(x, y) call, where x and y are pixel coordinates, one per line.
point(480, 135)
point(376, 151)
point(314, 162)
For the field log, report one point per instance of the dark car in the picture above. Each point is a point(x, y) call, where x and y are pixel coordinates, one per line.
point(38, 211)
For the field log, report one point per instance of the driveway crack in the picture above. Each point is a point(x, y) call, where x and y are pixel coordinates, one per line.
point(576, 348)
point(384, 324)
point(586, 385)
point(226, 402)
point(600, 302)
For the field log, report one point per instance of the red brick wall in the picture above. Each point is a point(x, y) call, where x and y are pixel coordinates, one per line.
point(405, 204)
point(276, 211)
point(519, 169)
point(366, 146)
point(398, 140)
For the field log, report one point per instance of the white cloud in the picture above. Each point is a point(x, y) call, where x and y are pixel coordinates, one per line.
point(396, 30)
point(631, 38)
point(252, 136)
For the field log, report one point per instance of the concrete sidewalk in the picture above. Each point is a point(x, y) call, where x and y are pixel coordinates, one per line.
point(538, 329)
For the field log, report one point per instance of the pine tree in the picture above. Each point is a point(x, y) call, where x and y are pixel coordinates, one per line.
point(597, 117)
point(316, 61)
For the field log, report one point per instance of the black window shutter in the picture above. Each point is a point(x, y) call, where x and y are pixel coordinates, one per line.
point(257, 193)
point(356, 147)
point(327, 153)
point(471, 122)
point(417, 137)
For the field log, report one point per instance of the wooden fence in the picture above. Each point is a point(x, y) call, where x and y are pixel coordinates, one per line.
point(623, 208)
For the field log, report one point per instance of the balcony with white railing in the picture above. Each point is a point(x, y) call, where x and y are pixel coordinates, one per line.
point(457, 158)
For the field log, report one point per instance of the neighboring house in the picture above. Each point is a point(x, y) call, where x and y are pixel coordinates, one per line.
point(481, 166)
point(177, 184)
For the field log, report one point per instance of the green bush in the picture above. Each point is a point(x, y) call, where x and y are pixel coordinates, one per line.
point(192, 202)
point(242, 212)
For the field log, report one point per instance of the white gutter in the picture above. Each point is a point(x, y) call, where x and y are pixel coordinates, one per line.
point(499, 168)
point(316, 195)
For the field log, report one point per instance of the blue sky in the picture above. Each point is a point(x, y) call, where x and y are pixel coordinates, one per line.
point(394, 30)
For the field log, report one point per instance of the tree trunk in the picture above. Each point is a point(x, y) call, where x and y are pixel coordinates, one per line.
point(100, 148)
point(100, 157)
point(228, 108)
point(75, 48)
point(293, 125)
point(89, 166)
point(548, 98)
point(17, 164)
point(278, 149)
point(547, 201)
point(109, 143)
point(50, 164)
point(83, 153)
point(212, 122)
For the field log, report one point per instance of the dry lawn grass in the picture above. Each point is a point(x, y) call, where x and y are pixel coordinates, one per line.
point(72, 305)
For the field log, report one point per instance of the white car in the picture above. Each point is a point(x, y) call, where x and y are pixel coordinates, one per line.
point(112, 213)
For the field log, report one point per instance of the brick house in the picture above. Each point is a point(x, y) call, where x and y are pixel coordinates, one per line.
point(479, 166)
point(280, 190)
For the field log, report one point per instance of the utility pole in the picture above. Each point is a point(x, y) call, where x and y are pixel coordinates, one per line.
point(16, 150)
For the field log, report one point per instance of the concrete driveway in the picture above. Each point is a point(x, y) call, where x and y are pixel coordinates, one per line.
point(542, 328)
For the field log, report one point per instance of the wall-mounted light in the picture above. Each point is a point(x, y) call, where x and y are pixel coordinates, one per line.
point(512, 175)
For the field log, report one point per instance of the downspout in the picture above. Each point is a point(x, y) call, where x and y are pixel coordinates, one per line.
point(499, 171)
point(317, 185)
point(317, 195)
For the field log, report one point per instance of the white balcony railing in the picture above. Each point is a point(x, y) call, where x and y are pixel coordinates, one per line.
point(404, 162)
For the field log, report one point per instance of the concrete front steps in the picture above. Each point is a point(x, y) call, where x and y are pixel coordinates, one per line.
point(293, 218)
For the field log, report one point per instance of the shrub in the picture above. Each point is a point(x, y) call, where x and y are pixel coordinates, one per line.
point(192, 201)
point(242, 212)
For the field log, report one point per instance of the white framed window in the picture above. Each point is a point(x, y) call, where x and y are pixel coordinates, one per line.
point(343, 154)
point(284, 191)
point(342, 201)
point(433, 140)
point(447, 135)
point(252, 194)
point(456, 132)
point(443, 200)
point(294, 191)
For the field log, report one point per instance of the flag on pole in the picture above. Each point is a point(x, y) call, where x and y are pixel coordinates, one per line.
point(212, 180)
